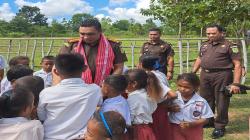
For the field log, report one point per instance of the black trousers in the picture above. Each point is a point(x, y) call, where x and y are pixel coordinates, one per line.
point(210, 89)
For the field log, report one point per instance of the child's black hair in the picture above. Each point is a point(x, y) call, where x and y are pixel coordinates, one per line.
point(18, 71)
point(33, 83)
point(146, 80)
point(149, 62)
point(13, 104)
point(191, 78)
point(48, 57)
point(16, 60)
point(115, 121)
point(69, 64)
point(118, 82)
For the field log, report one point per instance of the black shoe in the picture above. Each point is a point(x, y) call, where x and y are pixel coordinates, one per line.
point(217, 133)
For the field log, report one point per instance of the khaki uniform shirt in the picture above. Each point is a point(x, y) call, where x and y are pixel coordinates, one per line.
point(91, 53)
point(161, 49)
point(219, 55)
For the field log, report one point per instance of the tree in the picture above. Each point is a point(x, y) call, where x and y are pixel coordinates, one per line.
point(136, 28)
point(122, 25)
point(57, 28)
point(106, 25)
point(20, 24)
point(32, 15)
point(77, 19)
point(187, 15)
point(4, 27)
point(148, 25)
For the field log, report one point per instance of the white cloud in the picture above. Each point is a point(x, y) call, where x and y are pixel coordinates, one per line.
point(100, 16)
point(56, 8)
point(118, 2)
point(119, 13)
point(5, 12)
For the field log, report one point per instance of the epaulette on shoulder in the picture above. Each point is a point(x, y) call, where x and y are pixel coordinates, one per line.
point(114, 40)
point(71, 41)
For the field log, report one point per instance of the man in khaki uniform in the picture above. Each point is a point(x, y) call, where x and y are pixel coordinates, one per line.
point(220, 64)
point(102, 56)
point(157, 47)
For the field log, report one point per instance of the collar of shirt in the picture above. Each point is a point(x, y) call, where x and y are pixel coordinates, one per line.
point(139, 91)
point(114, 99)
point(45, 72)
point(156, 43)
point(71, 81)
point(216, 42)
point(194, 99)
point(13, 120)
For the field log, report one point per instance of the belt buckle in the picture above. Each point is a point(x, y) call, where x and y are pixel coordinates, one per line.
point(207, 70)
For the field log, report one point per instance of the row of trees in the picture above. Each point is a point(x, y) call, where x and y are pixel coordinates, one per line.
point(30, 22)
point(177, 17)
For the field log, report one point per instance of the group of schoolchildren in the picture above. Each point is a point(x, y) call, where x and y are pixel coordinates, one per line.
point(137, 105)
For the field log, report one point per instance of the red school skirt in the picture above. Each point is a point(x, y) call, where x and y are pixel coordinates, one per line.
point(141, 132)
point(194, 133)
point(161, 125)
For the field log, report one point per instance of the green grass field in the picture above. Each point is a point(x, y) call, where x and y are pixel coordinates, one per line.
point(240, 104)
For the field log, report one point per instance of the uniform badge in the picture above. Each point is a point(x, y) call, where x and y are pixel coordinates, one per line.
point(196, 113)
point(235, 49)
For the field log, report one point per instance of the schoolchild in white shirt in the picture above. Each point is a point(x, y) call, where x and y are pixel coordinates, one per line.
point(16, 72)
point(18, 60)
point(33, 83)
point(45, 73)
point(187, 123)
point(161, 124)
point(112, 88)
point(15, 110)
point(144, 91)
point(66, 107)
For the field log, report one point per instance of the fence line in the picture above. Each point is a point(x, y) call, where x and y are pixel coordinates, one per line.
point(186, 49)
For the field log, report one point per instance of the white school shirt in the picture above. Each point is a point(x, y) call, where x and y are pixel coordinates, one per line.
point(66, 108)
point(20, 128)
point(161, 77)
point(5, 85)
point(2, 62)
point(196, 108)
point(141, 107)
point(47, 77)
point(163, 83)
point(118, 104)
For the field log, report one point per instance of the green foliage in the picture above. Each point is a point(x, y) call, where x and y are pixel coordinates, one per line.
point(122, 25)
point(193, 15)
point(77, 19)
point(32, 15)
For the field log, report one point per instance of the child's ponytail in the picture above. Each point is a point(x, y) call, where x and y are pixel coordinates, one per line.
point(153, 87)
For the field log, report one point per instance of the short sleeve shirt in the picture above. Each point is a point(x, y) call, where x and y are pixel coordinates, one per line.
point(219, 55)
point(2, 62)
point(161, 49)
point(196, 108)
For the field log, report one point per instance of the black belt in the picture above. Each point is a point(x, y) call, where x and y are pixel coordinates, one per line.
point(216, 70)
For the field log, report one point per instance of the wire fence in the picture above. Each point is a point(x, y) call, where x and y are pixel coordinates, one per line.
point(186, 50)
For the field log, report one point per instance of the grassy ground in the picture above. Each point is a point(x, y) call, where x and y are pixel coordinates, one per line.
point(240, 104)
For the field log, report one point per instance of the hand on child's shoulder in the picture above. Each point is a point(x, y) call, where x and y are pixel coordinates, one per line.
point(174, 108)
